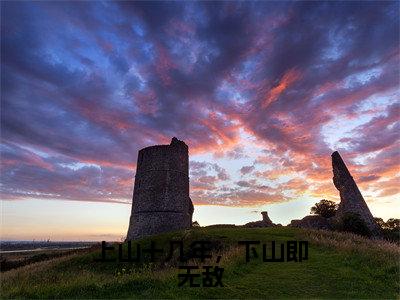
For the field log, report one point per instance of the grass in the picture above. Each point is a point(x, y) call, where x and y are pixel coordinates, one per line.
point(339, 266)
point(12, 260)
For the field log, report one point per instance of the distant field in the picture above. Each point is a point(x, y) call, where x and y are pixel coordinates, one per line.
point(6, 246)
point(339, 266)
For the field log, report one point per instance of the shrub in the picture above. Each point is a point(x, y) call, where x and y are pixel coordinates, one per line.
point(393, 224)
point(380, 222)
point(195, 224)
point(352, 222)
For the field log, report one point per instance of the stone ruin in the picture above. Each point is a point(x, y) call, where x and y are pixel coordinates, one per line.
point(351, 201)
point(161, 201)
point(315, 222)
point(265, 222)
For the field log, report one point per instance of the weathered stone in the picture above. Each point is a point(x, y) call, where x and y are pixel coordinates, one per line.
point(265, 222)
point(161, 201)
point(351, 200)
point(315, 222)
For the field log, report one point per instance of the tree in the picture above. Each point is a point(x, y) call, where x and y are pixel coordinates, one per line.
point(393, 224)
point(195, 224)
point(390, 229)
point(380, 222)
point(324, 208)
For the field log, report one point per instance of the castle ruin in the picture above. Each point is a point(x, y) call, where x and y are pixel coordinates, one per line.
point(161, 201)
point(351, 200)
point(265, 222)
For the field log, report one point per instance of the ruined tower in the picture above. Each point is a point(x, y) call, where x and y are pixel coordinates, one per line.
point(265, 218)
point(351, 199)
point(161, 199)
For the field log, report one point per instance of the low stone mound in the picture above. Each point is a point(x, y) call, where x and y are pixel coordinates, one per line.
point(315, 222)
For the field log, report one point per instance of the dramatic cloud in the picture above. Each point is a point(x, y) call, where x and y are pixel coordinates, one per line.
point(262, 92)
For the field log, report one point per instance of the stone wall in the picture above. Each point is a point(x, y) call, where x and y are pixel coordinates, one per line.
point(314, 222)
point(161, 201)
point(351, 200)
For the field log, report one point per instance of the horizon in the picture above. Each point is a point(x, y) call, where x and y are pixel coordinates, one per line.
point(261, 92)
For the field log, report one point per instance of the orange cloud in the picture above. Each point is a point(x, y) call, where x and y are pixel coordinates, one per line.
point(288, 79)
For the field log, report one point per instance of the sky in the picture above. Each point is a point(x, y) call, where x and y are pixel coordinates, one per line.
point(262, 93)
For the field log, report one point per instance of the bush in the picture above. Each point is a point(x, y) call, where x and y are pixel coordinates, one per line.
point(393, 224)
point(391, 235)
point(390, 229)
point(352, 222)
point(324, 208)
point(380, 222)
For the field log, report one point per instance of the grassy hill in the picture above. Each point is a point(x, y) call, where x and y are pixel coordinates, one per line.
point(339, 266)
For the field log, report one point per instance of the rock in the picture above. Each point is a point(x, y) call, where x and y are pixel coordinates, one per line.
point(315, 222)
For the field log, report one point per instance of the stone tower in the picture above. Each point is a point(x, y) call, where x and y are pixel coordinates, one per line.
point(161, 201)
point(351, 199)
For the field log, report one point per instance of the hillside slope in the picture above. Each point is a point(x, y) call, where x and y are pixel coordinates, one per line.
point(338, 266)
